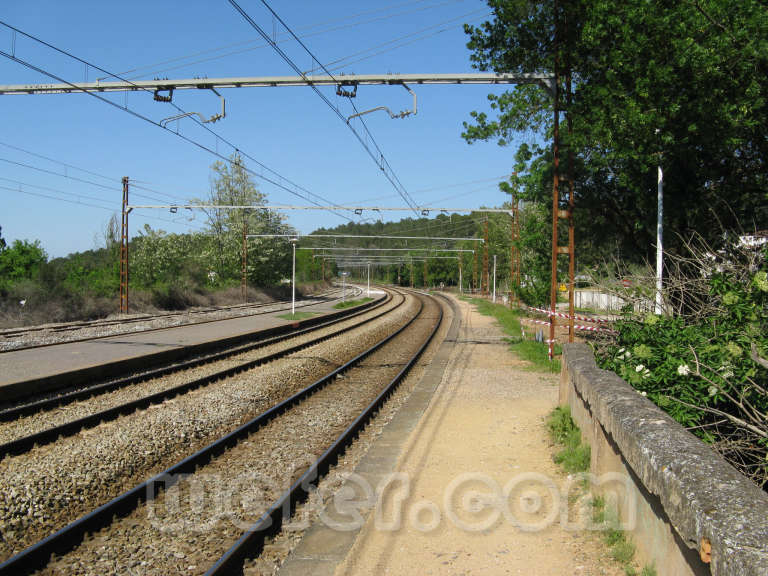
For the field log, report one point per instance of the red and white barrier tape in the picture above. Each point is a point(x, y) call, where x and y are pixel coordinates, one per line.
point(564, 315)
point(575, 326)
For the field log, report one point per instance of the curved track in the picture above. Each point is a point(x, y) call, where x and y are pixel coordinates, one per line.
point(26, 426)
point(321, 418)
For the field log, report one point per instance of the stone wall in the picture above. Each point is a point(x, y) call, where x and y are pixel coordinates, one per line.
point(690, 511)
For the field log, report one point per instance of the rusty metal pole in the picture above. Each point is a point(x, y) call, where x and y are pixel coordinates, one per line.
point(425, 274)
point(512, 256)
point(124, 251)
point(555, 189)
point(484, 280)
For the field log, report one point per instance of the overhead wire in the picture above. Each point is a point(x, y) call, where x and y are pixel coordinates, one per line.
point(378, 158)
point(307, 195)
point(73, 167)
point(335, 28)
point(75, 178)
point(80, 202)
point(433, 189)
point(87, 171)
point(399, 42)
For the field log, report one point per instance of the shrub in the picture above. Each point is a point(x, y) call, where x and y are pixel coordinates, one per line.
point(705, 363)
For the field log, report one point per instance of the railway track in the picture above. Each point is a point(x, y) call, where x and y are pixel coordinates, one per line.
point(154, 528)
point(52, 485)
point(44, 421)
point(50, 335)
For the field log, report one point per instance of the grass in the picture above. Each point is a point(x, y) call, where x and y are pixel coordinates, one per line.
point(350, 303)
point(536, 353)
point(622, 550)
point(575, 455)
point(297, 316)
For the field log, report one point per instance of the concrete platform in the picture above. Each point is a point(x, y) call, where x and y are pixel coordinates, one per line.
point(34, 370)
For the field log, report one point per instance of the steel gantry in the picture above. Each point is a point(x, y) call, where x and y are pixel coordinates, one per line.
point(563, 185)
point(339, 80)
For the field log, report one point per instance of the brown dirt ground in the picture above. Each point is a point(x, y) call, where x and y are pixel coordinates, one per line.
point(487, 419)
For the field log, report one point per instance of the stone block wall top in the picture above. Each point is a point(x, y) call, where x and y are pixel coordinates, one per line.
point(705, 498)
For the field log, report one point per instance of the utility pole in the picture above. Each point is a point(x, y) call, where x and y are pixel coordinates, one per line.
point(369, 280)
point(514, 254)
point(425, 274)
point(659, 239)
point(484, 279)
point(494, 278)
point(557, 213)
point(411, 267)
point(124, 251)
point(460, 286)
point(474, 271)
point(293, 280)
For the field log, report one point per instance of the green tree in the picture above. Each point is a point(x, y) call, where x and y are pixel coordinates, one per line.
point(20, 261)
point(681, 84)
point(268, 260)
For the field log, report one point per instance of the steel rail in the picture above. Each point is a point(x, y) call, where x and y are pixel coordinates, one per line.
point(67, 538)
point(25, 443)
point(14, 412)
point(252, 541)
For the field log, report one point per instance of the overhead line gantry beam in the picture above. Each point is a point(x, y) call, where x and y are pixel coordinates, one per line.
point(274, 81)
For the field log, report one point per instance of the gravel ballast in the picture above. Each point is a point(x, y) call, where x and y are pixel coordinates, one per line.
point(186, 528)
point(43, 420)
point(52, 485)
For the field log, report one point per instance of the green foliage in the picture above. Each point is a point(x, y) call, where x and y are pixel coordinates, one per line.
point(695, 102)
point(535, 353)
point(575, 455)
point(701, 368)
point(297, 315)
point(269, 259)
point(21, 260)
point(351, 303)
point(622, 550)
point(508, 319)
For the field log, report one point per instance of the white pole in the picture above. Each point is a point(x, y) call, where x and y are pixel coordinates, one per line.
point(369, 279)
point(659, 247)
point(343, 286)
point(293, 282)
point(461, 289)
point(494, 278)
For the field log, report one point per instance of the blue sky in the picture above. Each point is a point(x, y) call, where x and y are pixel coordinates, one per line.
point(288, 129)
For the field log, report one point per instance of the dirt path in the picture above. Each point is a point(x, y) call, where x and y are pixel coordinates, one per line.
point(483, 432)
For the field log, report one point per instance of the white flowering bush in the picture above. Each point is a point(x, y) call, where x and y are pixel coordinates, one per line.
point(707, 370)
